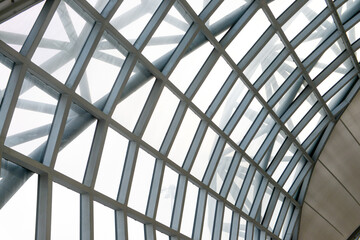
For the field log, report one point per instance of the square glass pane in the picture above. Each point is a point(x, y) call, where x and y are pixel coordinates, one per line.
point(18, 215)
point(63, 40)
point(161, 118)
point(184, 137)
point(76, 143)
point(167, 196)
point(111, 164)
point(31, 122)
point(15, 30)
point(65, 214)
point(141, 182)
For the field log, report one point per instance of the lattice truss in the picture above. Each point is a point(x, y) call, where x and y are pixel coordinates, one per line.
point(181, 119)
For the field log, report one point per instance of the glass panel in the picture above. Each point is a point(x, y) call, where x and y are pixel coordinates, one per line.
point(318, 36)
point(279, 6)
point(329, 55)
point(62, 41)
point(311, 125)
point(5, 74)
point(190, 64)
point(252, 31)
point(132, 16)
point(168, 35)
point(284, 162)
point(15, 30)
point(278, 78)
point(347, 10)
point(132, 106)
point(104, 225)
point(209, 218)
point(260, 136)
point(184, 137)
point(229, 105)
point(250, 197)
point(338, 97)
point(274, 148)
point(18, 215)
point(222, 168)
point(353, 33)
point(102, 70)
point(276, 212)
point(301, 111)
point(167, 196)
point(265, 201)
point(294, 174)
point(264, 58)
point(76, 144)
point(141, 181)
point(246, 121)
point(31, 122)
point(189, 209)
point(286, 221)
point(98, 4)
point(226, 226)
point(302, 18)
point(161, 118)
point(242, 229)
point(203, 156)
point(335, 76)
point(65, 215)
point(212, 84)
point(111, 164)
point(238, 181)
point(135, 229)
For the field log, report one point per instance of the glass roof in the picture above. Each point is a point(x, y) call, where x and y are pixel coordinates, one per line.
point(181, 119)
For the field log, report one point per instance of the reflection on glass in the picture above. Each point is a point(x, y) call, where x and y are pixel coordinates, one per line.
point(189, 209)
point(238, 181)
point(264, 58)
point(168, 35)
point(184, 137)
point(102, 70)
point(19, 213)
point(252, 31)
point(104, 225)
point(62, 41)
point(161, 118)
point(209, 218)
point(167, 196)
point(74, 153)
point(212, 84)
point(132, 16)
point(141, 182)
point(15, 30)
point(222, 168)
point(203, 156)
point(302, 18)
point(65, 215)
point(111, 164)
point(135, 229)
point(34, 113)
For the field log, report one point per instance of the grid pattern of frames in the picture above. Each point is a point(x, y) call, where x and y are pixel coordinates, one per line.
point(180, 119)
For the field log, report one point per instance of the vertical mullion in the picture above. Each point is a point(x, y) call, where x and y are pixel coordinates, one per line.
point(218, 219)
point(43, 208)
point(200, 214)
point(86, 217)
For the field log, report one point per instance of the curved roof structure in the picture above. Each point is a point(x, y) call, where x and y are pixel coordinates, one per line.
point(181, 119)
